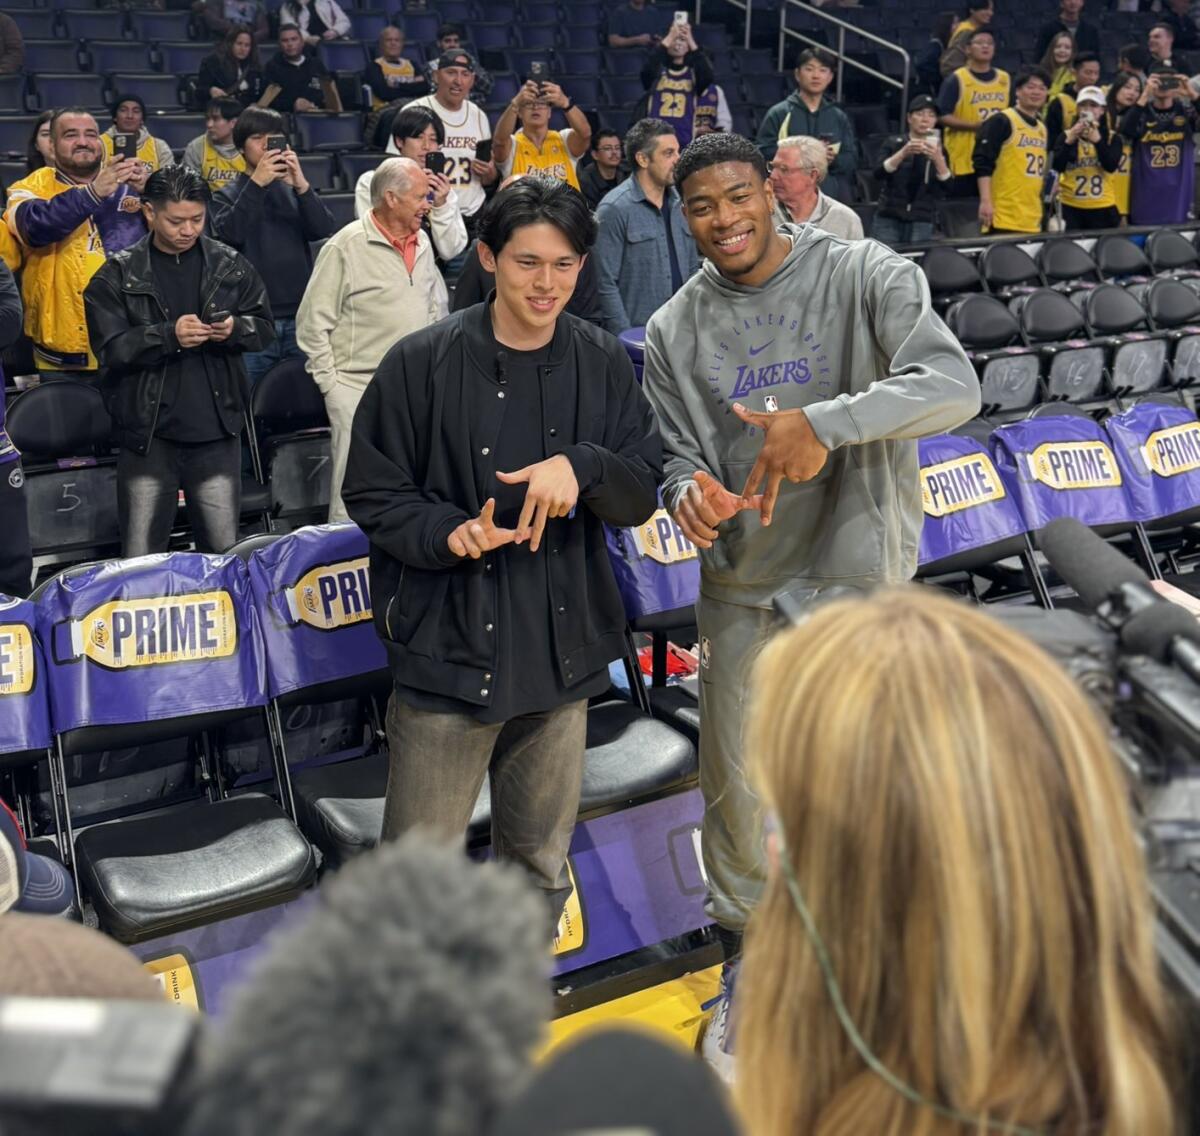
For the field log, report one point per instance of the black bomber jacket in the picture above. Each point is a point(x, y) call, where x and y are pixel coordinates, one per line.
point(421, 464)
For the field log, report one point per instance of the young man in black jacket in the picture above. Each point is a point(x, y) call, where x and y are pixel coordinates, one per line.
point(270, 214)
point(169, 319)
point(486, 453)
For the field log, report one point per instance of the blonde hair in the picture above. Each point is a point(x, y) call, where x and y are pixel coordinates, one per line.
point(960, 831)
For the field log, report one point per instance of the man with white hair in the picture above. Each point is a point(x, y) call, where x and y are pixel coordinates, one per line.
point(374, 282)
point(797, 170)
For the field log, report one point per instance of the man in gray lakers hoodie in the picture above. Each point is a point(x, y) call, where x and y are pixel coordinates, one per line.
point(844, 332)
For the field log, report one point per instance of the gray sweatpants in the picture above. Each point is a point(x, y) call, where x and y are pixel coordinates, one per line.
point(732, 831)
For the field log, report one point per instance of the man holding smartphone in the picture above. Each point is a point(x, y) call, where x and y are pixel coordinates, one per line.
point(534, 147)
point(169, 320)
point(1162, 127)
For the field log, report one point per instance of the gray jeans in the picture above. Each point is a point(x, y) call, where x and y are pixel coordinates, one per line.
point(209, 473)
point(535, 766)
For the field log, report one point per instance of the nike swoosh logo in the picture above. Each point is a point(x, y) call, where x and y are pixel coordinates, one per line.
point(759, 350)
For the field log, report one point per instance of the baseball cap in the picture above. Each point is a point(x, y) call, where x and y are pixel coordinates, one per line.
point(922, 102)
point(29, 882)
point(455, 58)
point(1090, 95)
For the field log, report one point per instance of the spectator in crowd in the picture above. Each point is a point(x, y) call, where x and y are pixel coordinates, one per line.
point(1160, 41)
point(69, 218)
point(389, 75)
point(540, 436)
point(177, 383)
point(913, 180)
point(416, 133)
point(374, 282)
point(533, 147)
point(967, 99)
point(1178, 15)
point(1060, 109)
point(16, 557)
point(926, 65)
point(637, 24)
point(129, 117)
point(1133, 59)
point(797, 172)
point(1085, 36)
point(1122, 94)
point(214, 155)
point(1030, 959)
point(12, 46)
point(678, 78)
point(1086, 156)
point(979, 14)
point(1010, 160)
point(232, 71)
point(604, 173)
point(317, 20)
point(466, 126)
point(1161, 125)
point(222, 17)
point(40, 150)
point(712, 112)
point(1056, 62)
point(750, 335)
point(807, 111)
point(296, 81)
point(644, 251)
point(450, 38)
point(271, 214)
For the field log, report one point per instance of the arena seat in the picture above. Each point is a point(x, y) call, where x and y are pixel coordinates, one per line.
point(88, 23)
point(107, 56)
point(580, 61)
point(1170, 253)
point(320, 170)
point(355, 163)
point(367, 23)
point(177, 130)
point(340, 206)
point(1073, 367)
point(39, 23)
point(950, 274)
point(1174, 309)
point(155, 27)
point(1137, 361)
point(1066, 266)
point(1009, 372)
point(70, 89)
point(576, 35)
point(421, 27)
point(1118, 258)
point(158, 92)
point(1008, 270)
point(181, 58)
point(321, 131)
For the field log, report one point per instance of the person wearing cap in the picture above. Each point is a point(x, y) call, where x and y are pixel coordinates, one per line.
point(1060, 110)
point(1085, 157)
point(1162, 126)
point(31, 883)
point(913, 177)
point(465, 126)
point(129, 117)
point(533, 147)
point(1010, 159)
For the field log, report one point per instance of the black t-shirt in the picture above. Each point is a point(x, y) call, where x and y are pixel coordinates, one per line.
point(296, 81)
point(187, 410)
point(526, 680)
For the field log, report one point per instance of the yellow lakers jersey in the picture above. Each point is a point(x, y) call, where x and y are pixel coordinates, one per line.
point(147, 152)
point(1070, 111)
point(1017, 180)
point(553, 159)
point(219, 171)
point(1118, 180)
point(1085, 184)
point(402, 70)
point(977, 101)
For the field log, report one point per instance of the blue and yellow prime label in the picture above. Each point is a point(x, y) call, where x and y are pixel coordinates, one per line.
point(1174, 450)
point(149, 632)
point(960, 483)
point(331, 596)
point(571, 935)
point(662, 540)
point(177, 978)
point(1074, 465)
point(17, 660)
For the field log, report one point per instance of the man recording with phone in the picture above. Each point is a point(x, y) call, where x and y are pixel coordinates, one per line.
point(169, 320)
point(914, 176)
point(533, 147)
point(1162, 127)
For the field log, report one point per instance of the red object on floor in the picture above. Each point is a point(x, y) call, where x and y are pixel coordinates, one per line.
point(679, 661)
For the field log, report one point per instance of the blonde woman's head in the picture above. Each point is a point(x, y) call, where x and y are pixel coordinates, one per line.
point(959, 830)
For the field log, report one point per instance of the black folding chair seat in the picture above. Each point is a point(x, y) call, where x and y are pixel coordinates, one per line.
point(950, 274)
point(1119, 257)
point(1008, 270)
point(679, 707)
point(1067, 266)
point(1170, 253)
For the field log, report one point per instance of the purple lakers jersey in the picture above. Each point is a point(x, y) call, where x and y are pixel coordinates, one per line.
point(1164, 172)
point(673, 99)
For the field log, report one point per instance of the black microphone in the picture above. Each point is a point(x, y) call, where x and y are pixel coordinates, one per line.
point(501, 365)
point(1119, 592)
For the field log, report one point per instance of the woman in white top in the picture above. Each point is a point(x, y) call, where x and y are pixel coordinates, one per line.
point(317, 19)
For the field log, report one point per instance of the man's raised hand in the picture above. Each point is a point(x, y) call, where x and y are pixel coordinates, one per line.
point(475, 537)
point(791, 449)
point(705, 505)
point(552, 492)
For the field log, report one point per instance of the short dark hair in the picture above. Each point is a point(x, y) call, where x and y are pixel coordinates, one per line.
point(227, 108)
point(1136, 55)
point(816, 55)
point(450, 29)
point(715, 150)
point(1028, 74)
point(975, 33)
point(1165, 27)
point(64, 112)
point(257, 120)
point(289, 28)
point(535, 199)
point(176, 183)
point(642, 136)
point(413, 121)
point(601, 134)
point(1083, 57)
point(33, 156)
point(115, 105)
point(977, 6)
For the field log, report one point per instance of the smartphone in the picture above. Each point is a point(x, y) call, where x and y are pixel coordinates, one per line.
point(681, 17)
point(483, 150)
point(1168, 82)
point(537, 70)
point(435, 162)
point(125, 145)
point(217, 317)
point(276, 142)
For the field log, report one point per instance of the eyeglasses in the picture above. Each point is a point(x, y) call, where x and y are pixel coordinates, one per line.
point(776, 168)
point(608, 149)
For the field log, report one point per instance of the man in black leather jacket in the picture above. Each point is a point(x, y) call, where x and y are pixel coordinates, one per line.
point(169, 319)
point(486, 453)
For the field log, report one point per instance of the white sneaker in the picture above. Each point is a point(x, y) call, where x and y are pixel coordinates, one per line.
point(716, 1047)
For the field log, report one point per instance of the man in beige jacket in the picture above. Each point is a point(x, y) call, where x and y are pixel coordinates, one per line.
point(374, 282)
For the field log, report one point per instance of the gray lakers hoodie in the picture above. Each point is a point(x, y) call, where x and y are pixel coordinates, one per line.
point(845, 331)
